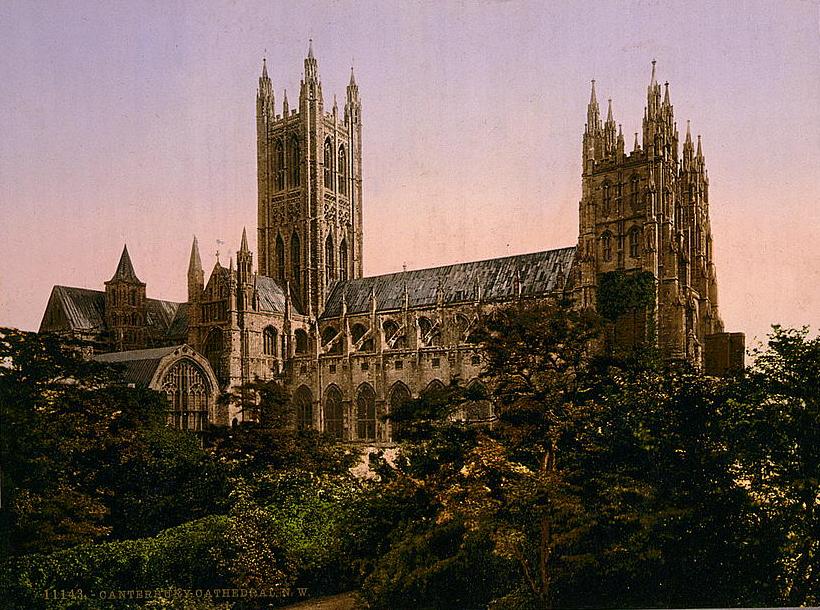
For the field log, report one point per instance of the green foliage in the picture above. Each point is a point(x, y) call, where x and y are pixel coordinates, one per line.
point(86, 459)
point(619, 292)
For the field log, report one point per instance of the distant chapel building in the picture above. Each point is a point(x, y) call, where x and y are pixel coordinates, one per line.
point(351, 348)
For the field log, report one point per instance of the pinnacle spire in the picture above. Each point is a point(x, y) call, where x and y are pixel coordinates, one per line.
point(352, 78)
point(609, 111)
point(125, 270)
point(688, 133)
point(700, 152)
point(636, 146)
point(652, 80)
point(310, 48)
point(592, 99)
point(666, 94)
point(196, 263)
point(244, 246)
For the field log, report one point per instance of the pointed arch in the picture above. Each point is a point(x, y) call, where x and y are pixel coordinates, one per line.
point(330, 270)
point(479, 408)
point(357, 332)
point(328, 334)
point(606, 246)
point(333, 413)
point(434, 387)
point(634, 242)
point(607, 197)
point(429, 333)
point(296, 259)
point(366, 413)
point(393, 337)
point(280, 258)
point(269, 341)
point(342, 170)
point(399, 395)
point(295, 161)
point(279, 159)
point(302, 341)
point(189, 392)
point(343, 260)
point(303, 406)
point(634, 192)
point(328, 174)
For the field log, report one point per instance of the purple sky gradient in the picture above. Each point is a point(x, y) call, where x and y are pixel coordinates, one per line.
point(135, 122)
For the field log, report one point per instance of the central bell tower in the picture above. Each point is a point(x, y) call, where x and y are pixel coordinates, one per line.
point(309, 169)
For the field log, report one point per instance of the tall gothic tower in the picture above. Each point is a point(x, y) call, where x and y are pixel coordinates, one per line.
point(309, 168)
point(125, 306)
point(648, 211)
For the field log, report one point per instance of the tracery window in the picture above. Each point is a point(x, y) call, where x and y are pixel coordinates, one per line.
point(342, 169)
point(607, 198)
point(303, 406)
point(606, 246)
point(328, 164)
point(188, 391)
point(269, 341)
point(294, 161)
point(399, 396)
point(634, 242)
point(366, 413)
point(329, 256)
point(635, 195)
point(280, 258)
point(343, 260)
point(295, 259)
point(279, 155)
point(333, 414)
point(301, 341)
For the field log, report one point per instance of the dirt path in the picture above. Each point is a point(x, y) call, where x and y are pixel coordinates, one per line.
point(343, 601)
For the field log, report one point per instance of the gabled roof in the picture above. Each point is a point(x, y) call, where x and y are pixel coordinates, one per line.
point(140, 365)
point(497, 279)
point(81, 309)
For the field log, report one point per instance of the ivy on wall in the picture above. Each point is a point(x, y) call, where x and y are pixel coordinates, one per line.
point(619, 292)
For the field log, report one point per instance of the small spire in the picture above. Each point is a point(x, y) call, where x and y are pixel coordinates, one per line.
point(652, 81)
point(310, 48)
point(688, 133)
point(285, 107)
point(230, 265)
point(699, 153)
point(125, 270)
point(666, 93)
point(609, 111)
point(592, 99)
point(635, 146)
point(244, 246)
point(196, 262)
point(264, 67)
point(352, 82)
point(335, 105)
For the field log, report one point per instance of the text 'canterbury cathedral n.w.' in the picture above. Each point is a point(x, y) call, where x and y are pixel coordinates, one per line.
point(351, 348)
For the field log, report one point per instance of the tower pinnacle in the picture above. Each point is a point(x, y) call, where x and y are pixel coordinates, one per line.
point(125, 270)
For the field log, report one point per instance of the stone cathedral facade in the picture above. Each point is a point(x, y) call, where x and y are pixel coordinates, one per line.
point(351, 348)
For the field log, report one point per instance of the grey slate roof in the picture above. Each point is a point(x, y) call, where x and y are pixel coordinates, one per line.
point(271, 294)
point(84, 310)
point(140, 365)
point(496, 278)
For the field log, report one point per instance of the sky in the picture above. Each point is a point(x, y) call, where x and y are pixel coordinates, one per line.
point(134, 122)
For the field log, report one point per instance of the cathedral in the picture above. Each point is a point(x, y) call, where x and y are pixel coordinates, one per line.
point(351, 348)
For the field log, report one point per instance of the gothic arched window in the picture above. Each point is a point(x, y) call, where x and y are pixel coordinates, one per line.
point(279, 154)
point(634, 242)
point(329, 256)
point(343, 260)
point(607, 198)
point(214, 347)
point(366, 413)
point(294, 161)
point(635, 193)
point(433, 388)
point(269, 341)
point(606, 246)
point(303, 405)
point(342, 169)
point(188, 391)
point(280, 258)
point(399, 396)
point(328, 164)
point(302, 342)
point(295, 259)
point(333, 413)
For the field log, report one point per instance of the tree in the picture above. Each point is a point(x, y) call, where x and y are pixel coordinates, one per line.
point(776, 431)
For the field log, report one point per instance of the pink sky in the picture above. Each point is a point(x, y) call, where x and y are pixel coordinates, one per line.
point(134, 122)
